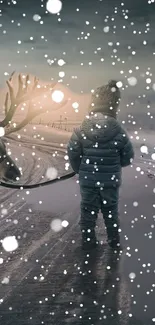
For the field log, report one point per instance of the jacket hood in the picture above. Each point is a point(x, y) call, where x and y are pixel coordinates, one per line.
point(100, 127)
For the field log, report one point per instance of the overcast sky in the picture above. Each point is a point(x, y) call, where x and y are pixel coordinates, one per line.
point(77, 35)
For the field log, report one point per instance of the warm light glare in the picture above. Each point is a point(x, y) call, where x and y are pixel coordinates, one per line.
point(57, 96)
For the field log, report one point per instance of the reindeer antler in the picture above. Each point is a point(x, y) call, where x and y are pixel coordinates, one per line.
point(24, 93)
point(6, 104)
point(31, 114)
point(27, 91)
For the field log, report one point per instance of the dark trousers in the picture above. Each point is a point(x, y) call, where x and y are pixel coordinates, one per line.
point(104, 199)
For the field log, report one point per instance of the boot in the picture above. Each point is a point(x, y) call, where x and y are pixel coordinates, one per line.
point(113, 238)
point(114, 242)
point(89, 240)
point(113, 234)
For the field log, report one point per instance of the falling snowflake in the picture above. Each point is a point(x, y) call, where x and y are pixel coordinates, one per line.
point(119, 312)
point(51, 173)
point(132, 81)
point(61, 62)
point(132, 275)
point(36, 17)
point(65, 223)
point(144, 149)
point(56, 225)
point(61, 74)
point(135, 204)
point(10, 243)
point(5, 280)
point(119, 84)
point(54, 6)
point(67, 166)
point(148, 80)
point(75, 105)
point(4, 211)
point(106, 29)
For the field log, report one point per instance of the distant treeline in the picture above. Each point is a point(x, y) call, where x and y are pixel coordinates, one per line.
point(133, 122)
point(62, 124)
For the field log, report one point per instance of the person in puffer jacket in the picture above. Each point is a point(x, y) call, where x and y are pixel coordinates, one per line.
point(97, 151)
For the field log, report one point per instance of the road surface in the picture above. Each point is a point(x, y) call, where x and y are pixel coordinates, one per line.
point(49, 280)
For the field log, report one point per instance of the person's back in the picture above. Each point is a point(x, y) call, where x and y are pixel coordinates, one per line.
point(97, 151)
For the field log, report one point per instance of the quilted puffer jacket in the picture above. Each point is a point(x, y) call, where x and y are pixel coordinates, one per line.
point(98, 150)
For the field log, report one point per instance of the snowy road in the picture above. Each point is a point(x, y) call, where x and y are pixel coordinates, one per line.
point(49, 277)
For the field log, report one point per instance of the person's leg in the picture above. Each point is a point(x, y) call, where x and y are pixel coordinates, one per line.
point(90, 205)
point(109, 208)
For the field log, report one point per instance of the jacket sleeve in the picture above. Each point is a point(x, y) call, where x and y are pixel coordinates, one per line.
point(127, 151)
point(74, 149)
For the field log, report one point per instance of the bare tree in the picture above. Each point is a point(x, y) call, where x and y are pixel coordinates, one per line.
point(26, 92)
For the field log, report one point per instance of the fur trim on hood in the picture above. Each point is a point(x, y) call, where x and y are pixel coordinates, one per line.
point(106, 99)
